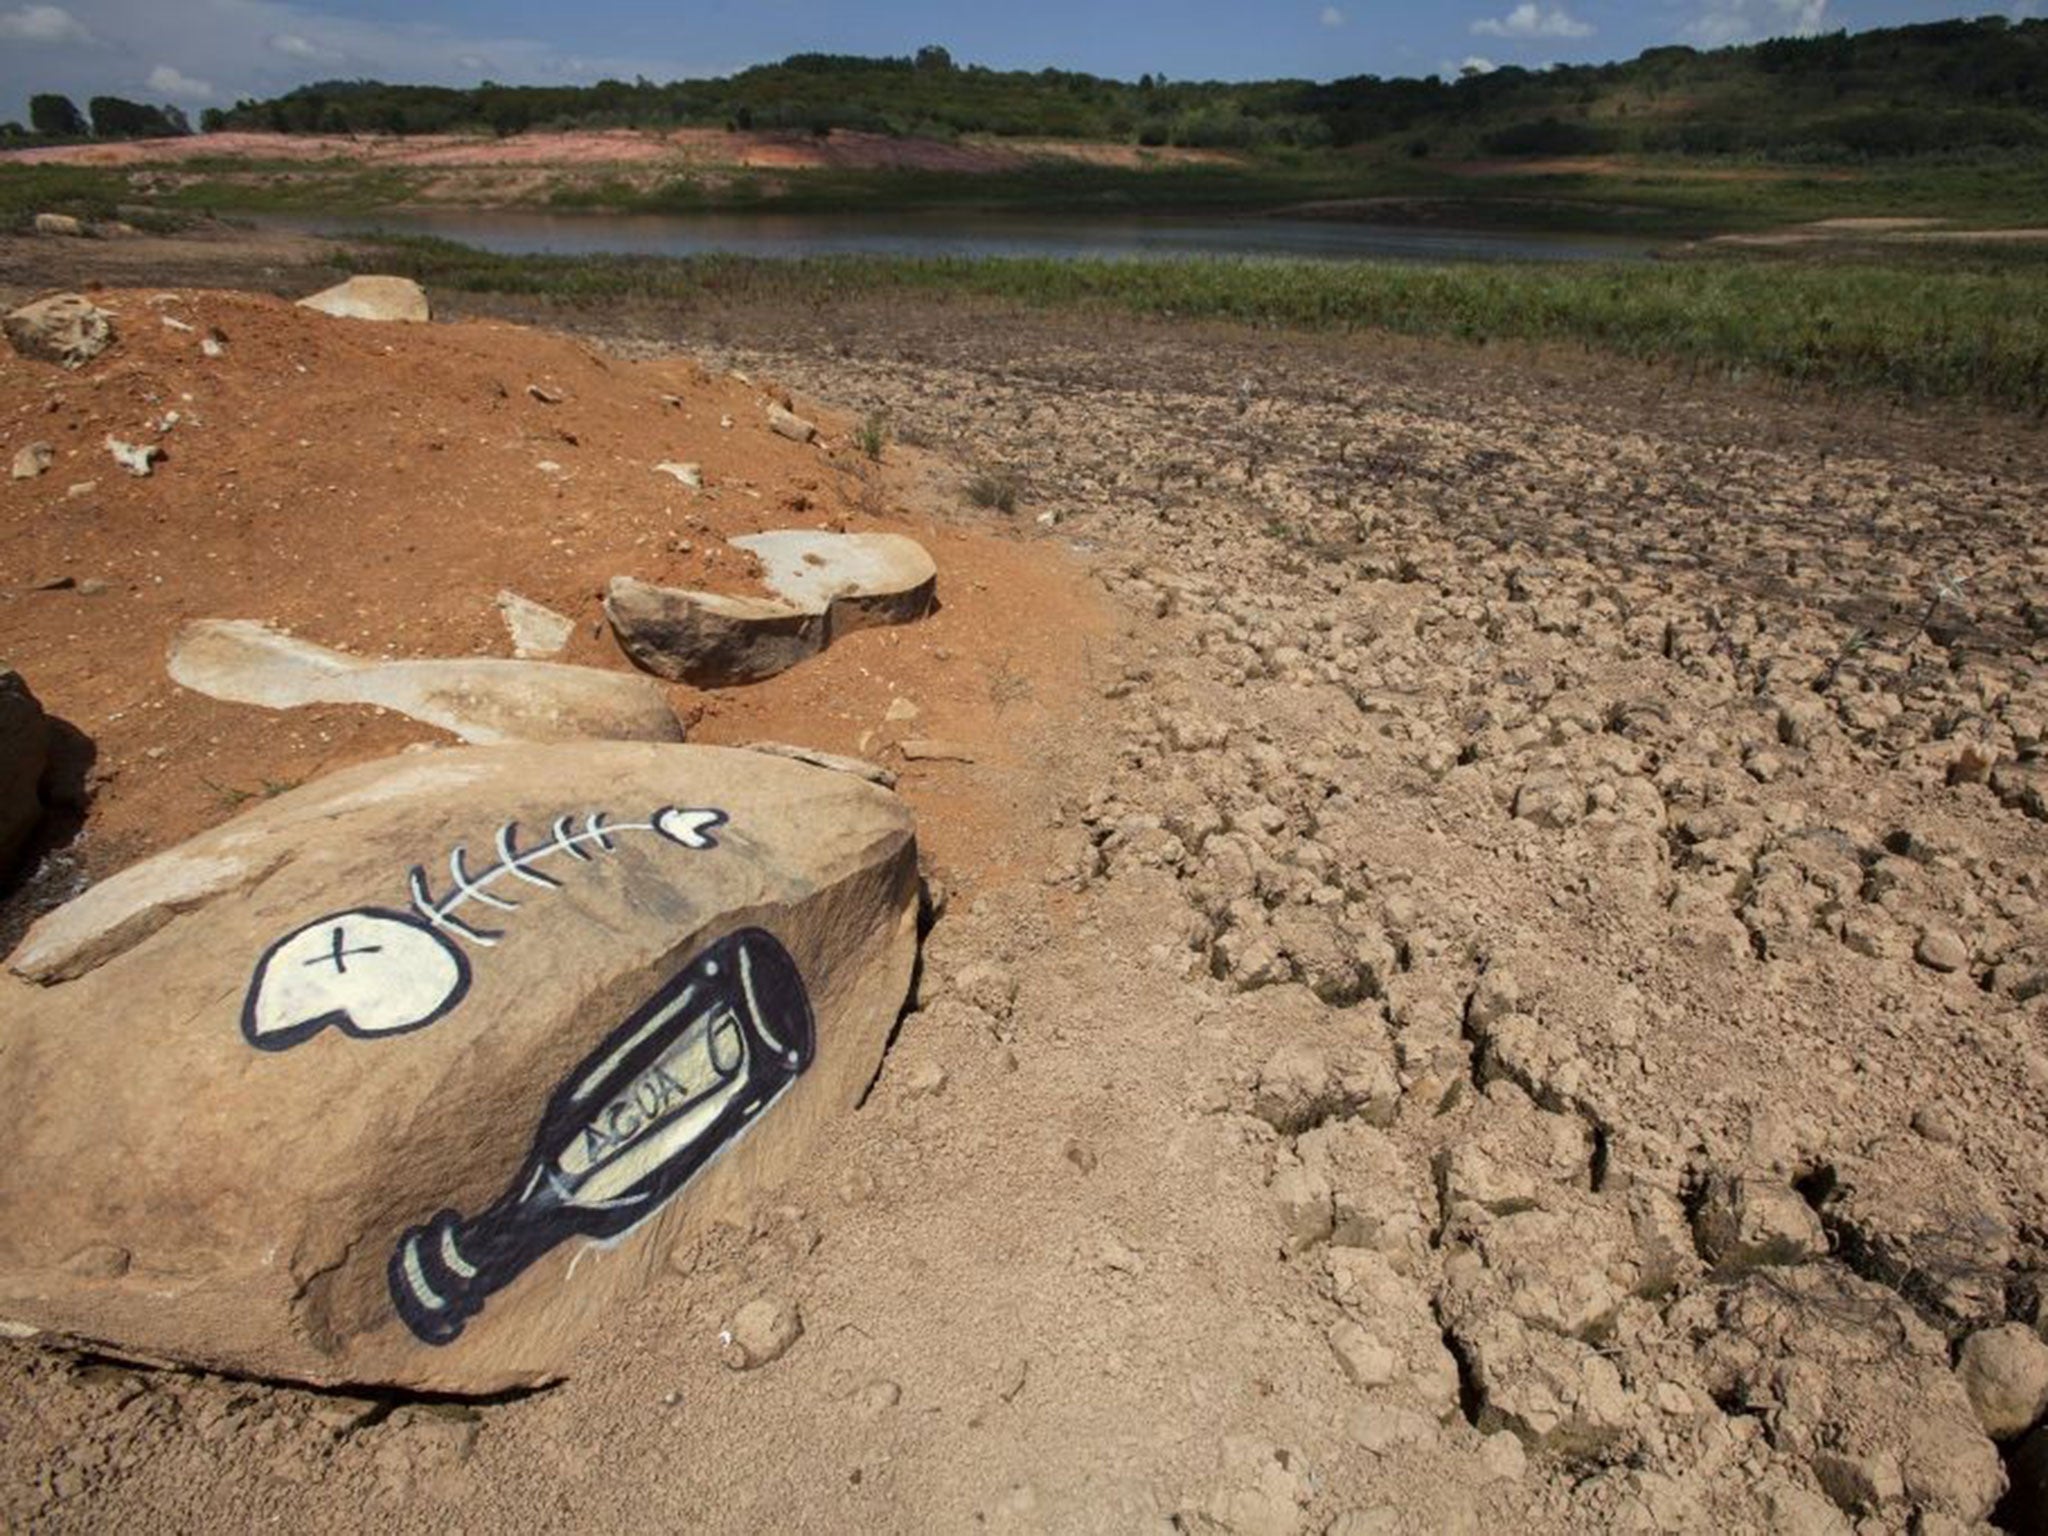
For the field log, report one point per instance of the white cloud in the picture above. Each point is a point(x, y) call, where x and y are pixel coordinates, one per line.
point(263, 48)
point(43, 24)
point(178, 85)
point(1332, 17)
point(1724, 22)
point(1529, 20)
point(293, 46)
point(1476, 63)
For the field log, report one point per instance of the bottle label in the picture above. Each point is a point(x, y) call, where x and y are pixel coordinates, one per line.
point(655, 1103)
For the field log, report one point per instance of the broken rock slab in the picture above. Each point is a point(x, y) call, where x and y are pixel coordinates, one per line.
point(858, 579)
point(707, 639)
point(66, 328)
point(482, 700)
point(373, 298)
point(414, 1076)
point(820, 585)
point(537, 631)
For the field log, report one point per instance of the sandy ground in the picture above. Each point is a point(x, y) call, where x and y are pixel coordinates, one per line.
point(1494, 965)
point(682, 147)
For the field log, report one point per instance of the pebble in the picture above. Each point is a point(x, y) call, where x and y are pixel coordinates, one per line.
point(1502, 1456)
point(1936, 1123)
point(1941, 949)
point(760, 1333)
point(2005, 1372)
point(1365, 1360)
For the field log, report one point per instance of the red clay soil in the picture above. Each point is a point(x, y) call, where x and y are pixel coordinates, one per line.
point(373, 487)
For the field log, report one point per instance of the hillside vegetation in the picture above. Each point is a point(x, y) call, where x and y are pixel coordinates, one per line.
point(1944, 87)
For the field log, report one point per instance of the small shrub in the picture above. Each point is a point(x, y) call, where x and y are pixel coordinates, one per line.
point(995, 490)
point(872, 435)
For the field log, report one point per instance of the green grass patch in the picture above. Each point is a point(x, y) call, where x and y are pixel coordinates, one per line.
point(1954, 325)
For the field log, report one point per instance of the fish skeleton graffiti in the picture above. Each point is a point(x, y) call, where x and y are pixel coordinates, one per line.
point(654, 1104)
point(375, 971)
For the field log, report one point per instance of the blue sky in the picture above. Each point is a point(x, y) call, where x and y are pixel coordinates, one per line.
point(201, 53)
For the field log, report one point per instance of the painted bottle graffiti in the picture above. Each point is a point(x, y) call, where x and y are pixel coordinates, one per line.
point(657, 1101)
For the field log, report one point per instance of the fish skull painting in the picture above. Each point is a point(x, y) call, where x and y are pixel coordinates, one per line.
point(372, 972)
point(369, 972)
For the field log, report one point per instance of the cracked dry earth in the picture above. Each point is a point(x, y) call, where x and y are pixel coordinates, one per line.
point(1532, 1016)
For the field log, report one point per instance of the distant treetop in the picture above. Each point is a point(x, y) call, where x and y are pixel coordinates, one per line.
point(1942, 87)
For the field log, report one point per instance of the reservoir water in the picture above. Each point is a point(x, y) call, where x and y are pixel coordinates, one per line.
point(1115, 237)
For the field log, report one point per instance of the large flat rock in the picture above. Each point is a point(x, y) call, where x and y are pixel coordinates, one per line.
point(413, 1076)
point(483, 700)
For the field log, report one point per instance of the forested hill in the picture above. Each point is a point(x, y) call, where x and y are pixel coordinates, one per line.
point(1945, 87)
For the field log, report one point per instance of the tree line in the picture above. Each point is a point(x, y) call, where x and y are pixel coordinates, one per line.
point(1950, 86)
point(57, 118)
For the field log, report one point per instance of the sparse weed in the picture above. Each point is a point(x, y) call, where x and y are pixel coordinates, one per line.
point(995, 490)
point(872, 435)
point(867, 493)
point(233, 796)
point(1006, 685)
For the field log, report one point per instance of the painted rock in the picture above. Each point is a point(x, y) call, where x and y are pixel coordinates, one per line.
point(373, 298)
point(482, 700)
point(820, 585)
point(414, 1076)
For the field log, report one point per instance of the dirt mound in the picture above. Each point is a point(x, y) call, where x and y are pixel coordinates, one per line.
point(373, 487)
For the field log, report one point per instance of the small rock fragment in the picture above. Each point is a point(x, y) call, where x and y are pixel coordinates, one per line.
point(31, 461)
point(139, 459)
point(1550, 800)
point(1364, 1359)
point(761, 1333)
point(537, 631)
point(67, 329)
point(1941, 949)
point(1936, 1123)
point(691, 475)
point(790, 425)
point(1746, 1221)
point(1502, 1456)
point(931, 749)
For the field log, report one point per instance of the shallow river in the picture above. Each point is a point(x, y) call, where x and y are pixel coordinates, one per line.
point(1112, 237)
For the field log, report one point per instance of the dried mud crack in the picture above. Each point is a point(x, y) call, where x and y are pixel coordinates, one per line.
point(1509, 992)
